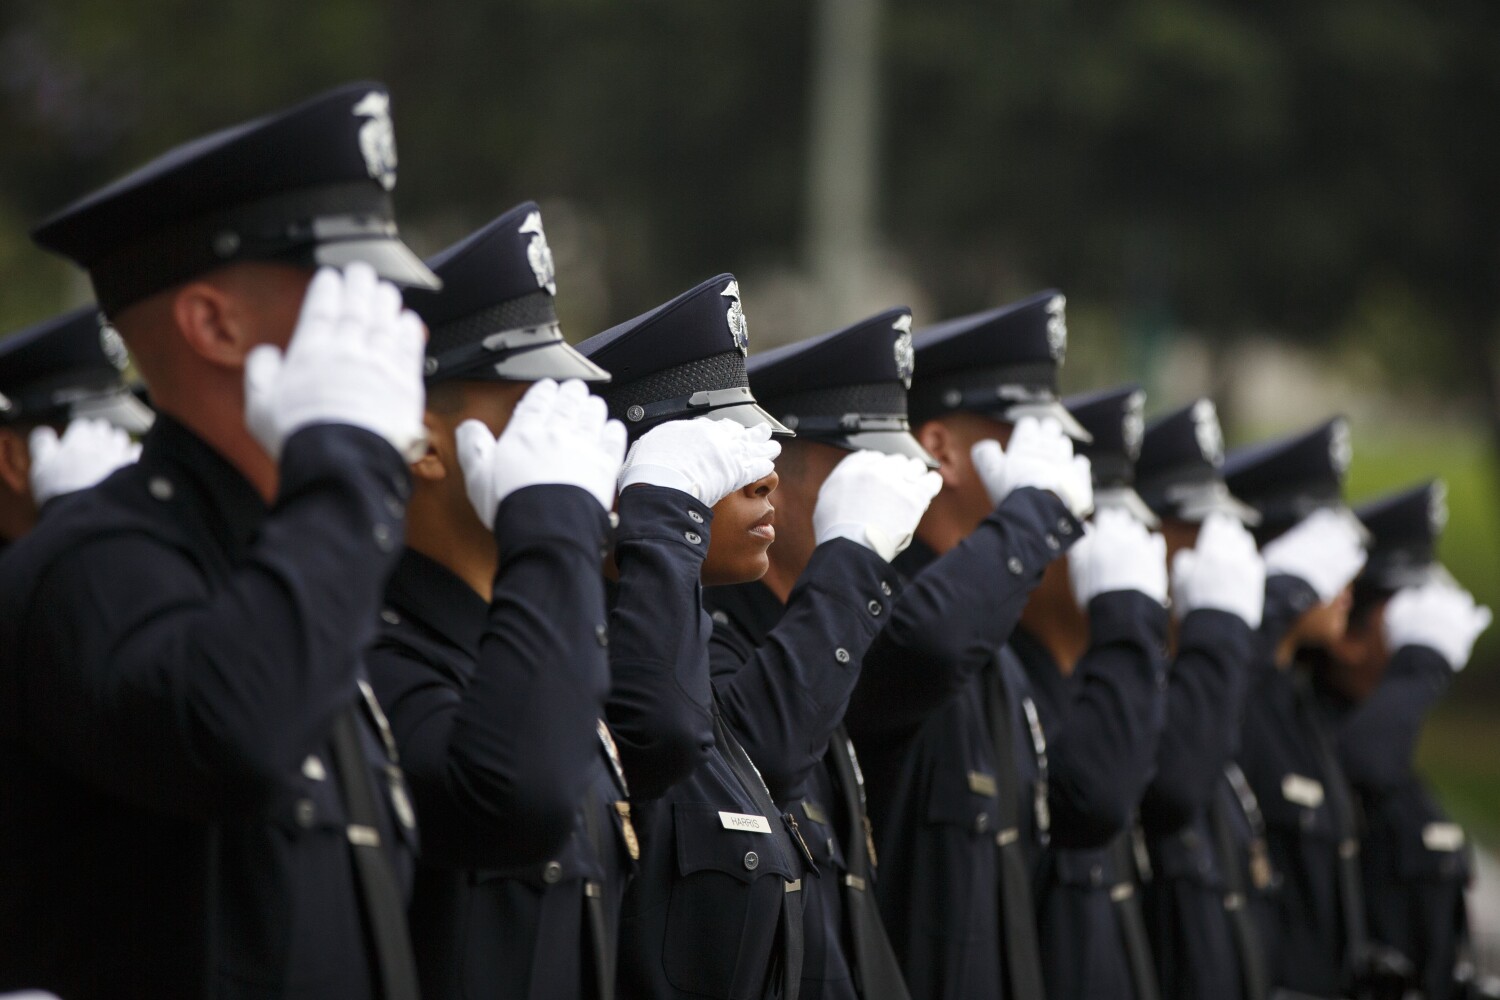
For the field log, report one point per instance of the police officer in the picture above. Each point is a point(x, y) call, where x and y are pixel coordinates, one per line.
point(200, 800)
point(1410, 629)
point(1203, 934)
point(854, 471)
point(62, 374)
point(716, 909)
point(940, 723)
point(1091, 643)
point(491, 669)
point(1313, 550)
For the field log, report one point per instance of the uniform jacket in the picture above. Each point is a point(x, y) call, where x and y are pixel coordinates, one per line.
point(495, 706)
point(173, 655)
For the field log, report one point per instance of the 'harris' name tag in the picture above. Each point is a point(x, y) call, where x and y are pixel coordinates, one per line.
point(1442, 836)
point(745, 822)
point(1302, 791)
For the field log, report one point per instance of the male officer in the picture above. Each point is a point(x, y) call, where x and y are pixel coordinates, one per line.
point(1313, 550)
point(1099, 614)
point(62, 372)
point(200, 801)
point(489, 663)
point(845, 394)
point(1410, 629)
point(942, 729)
point(1202, 931)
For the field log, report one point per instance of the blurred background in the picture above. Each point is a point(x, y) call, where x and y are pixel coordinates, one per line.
point(1292, 206)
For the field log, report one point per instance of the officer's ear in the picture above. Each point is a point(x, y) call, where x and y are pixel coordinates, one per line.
point(15, 462)
point(431, 467)
point(942, 444)
point(213, 323)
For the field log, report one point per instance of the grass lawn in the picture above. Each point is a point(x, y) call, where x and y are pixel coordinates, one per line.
point(1458, 755)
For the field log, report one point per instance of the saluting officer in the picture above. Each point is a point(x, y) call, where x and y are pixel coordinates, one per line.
point(716, 909)
point(1313, 549)
point(853, 472)
point(1091, 642)
point(1410, 629)
point(940, 724)
point(1198, 898)
point(490, 663)
point(66, 416)
point(200, 799)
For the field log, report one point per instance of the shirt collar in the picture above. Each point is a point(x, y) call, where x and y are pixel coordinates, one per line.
point(426, 591)
point(233, 507)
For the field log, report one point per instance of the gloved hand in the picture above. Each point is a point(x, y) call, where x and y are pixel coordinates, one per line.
point(1118, 553)
point(1039, 455)
point(1324, 550)
point(705, 458)
point(87, 453)
point(1439, 614)
point(556, 435)
point(355, 358)
point(1223, 572)
point(876, 500)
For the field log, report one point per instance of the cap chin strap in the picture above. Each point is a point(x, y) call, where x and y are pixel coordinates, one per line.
point(700, 402)
point(477, 353)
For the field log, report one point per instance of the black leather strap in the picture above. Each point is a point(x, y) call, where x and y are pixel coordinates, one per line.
point(603, 944)
point(1022, 954)
point(793, 941)
point(384, 907)
point(877, 973)
point(1237, 903)
point(1127, 904)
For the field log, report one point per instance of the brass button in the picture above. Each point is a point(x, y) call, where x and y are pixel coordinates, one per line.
point(552, 873)
point(307, 813)
point(874, 608)
point(752, 861)
point(1053, 543)
point(841, 654)
point(695, 516)
point(160, 487)
point(885, 588)
point(1015, 566)
point(693, 537)
point(601, 634)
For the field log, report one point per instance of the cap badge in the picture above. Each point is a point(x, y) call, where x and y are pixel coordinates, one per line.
point(738, 328)
point(1340, 448)
point(1133, 424)
point(1057, 327)
point(1437, 507)
point(113, 345)
point(906, 357)
point(377, 138)
point(1208, 432)
point(539, 254)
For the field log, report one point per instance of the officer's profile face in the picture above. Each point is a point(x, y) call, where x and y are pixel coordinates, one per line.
point(1359, 656)
point(949, 439)
point(448, 405)
point(1324, 624)
point(743, 530)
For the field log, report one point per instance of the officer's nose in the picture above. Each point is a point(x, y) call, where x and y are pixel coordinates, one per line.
point(764, 486)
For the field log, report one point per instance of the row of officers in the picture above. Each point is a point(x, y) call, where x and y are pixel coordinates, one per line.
point(415, 651)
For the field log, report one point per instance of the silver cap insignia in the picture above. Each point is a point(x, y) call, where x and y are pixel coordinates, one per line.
point(1133, 424)
point(906, 356)
point(113, 345)
point(1057, 327)
point(738, 328)
point(539, 254)
point(377, 138)
point(1208, 432)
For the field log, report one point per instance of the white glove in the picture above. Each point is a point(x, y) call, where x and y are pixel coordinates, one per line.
point(556, 435)
point(1439, 614)
point(1115, 553)
point(704, 458)
point(876, 500)
point(1039, 455)
point(87, 453)
point(1324, 550)
point(1223, 572)
point(355, 358)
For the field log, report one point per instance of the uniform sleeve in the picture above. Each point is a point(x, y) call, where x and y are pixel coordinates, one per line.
point(1205, 696)
point(660, 707)
point(1105, 754)
point(1287, 598)
point(498, 767)
point(1378, 740)
point(203, 700)
point(954, 615)
point(784, 700)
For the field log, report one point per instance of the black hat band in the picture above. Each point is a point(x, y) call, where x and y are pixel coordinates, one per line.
point(1111, 469)
point(662, 391)
point(270, 229)
point(985, 390)
point(38, 404)
point(490, 334)
point(882, 398)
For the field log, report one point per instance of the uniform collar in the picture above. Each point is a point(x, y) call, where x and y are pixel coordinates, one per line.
point(234, 508)
point(751, 606)
point(427, 592)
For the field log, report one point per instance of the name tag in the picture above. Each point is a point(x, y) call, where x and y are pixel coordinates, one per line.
point(983, 784)
point(1303, 791)
point(1442, 836)
point(745, 822)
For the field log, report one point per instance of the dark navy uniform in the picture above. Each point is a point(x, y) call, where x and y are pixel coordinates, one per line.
point(496, 705)
point(1316, 937)
point(202, 799)
point(1195, 905)
point(717, 908)
point(938, 717)
point(846, 388)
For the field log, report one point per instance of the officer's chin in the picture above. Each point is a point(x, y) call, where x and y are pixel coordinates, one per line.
point(727, 565)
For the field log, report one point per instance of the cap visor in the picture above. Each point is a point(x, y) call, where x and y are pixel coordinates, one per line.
point(121, 409)
point(556, 360)
point(1126, 499)
point(392, 260)
point(885, 442)
point(1056, 411)
point(1214, 498)
point(749, 414)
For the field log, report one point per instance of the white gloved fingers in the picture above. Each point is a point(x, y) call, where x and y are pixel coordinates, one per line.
point(613, 437)
point(989, 463)
point(44, 444)
point(323, 301)
point(475, 443)
point(536, 404)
